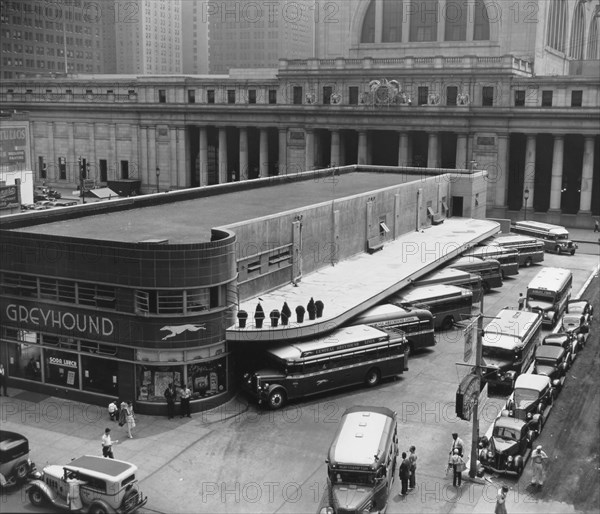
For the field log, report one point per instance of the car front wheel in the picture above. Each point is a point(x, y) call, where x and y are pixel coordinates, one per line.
point(98, 508)
point(37, 497)
point(277, 399)
point(20, 472)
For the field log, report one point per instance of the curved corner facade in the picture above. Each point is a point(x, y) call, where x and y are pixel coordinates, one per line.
point(94, 320)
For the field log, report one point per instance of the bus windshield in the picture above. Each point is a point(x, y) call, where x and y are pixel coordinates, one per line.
point(499, 353)
point(537, 295)
point(340, 476)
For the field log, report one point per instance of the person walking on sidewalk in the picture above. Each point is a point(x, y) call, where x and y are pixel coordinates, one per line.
point(457, 444)
point(129, 419)
point(521, 301)
point(501, 500)
point(113, 410)
point(107, 443)
point(186, 396)
point(458, 464)
point(412, 459)
point(404, 473)
point(538, 465)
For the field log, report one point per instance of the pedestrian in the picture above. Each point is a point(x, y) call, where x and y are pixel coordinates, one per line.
point(130, 419)
point(170, 396)
point(412, 459)
point(123, 414)
point(3, 379)
point(186, 396)
point(597, 226)
point(538, 464)
point(501, 500)
point(404, 473)
point(458, 466)
point(107, 443)
point(457, 444)
point(521, 301)
point(113, 410)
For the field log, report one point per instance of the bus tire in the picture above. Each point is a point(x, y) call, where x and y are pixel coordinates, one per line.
point(373, 377)
point(528, 262)
point(448, 323)
point(277, 399)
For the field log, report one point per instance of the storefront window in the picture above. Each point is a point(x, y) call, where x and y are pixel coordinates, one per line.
point(207, 378)
point(100, 375)
point(24, 360)
point(62, 368)
point(152, 381)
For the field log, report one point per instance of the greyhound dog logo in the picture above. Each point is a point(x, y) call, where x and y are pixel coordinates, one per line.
point(181, 329)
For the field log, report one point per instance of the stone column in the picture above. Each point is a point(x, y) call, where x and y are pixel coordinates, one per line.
point(309, 160)
point(283, 164)
point(441, 20)
point(152, 162)
point(53, 172)
point(432, 150)
point(557, 171)
point(529, 170)
point(222, 155)
point(334, 159)
point(403, 149)
point(203, 156)
point(93, 164)
point(378, 20)
point(461, 151)
point(263, 165)
point(587, 175)
point(244, 172)
point(182, 175)
point(73, 158)
point(471, 19)
point(362, 147)
point(501, 176)
point(144, 169)
point(172, 174)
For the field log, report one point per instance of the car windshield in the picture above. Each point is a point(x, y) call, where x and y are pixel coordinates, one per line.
point(571, 320)
point(506, 433)
point(525, 397)
point(577, 307)
point(545, 361)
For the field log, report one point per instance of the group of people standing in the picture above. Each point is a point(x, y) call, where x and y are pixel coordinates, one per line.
point(125, 416)
point(185, 398)
point(407, 470)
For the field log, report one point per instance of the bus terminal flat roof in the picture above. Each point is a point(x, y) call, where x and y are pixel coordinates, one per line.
point(191, 221)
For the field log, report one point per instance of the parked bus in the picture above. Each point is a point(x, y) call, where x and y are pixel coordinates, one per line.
point(508, 258)
point(416, 324)
point(448, 304)
point(555, 238)
point(549, 292)
point(348, 356)
point(531, 250)
point(489, 270)
point(508, 345)
point(454, 277)
point(361, 462)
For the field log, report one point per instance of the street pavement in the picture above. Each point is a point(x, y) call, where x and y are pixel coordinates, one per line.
point(237, 458)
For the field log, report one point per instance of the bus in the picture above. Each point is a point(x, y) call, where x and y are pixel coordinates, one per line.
point(348, 356)
point(448, 304)
point(549, 293)
point(453, 277)
point(555, 238)
point(416, 324)
point(489, 270)
point(508, 345)
point(531, 250)
point(361, 461)
point(507, 257)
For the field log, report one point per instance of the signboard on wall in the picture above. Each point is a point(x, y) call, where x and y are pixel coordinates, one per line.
point(9, 197)
point(13, 145)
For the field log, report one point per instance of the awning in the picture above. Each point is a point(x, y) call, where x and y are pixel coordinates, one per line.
point(103, 193)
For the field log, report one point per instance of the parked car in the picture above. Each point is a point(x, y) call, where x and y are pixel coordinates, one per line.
point(509, 447)
point(552, 362)
point(531, 400)
point(63, 203)
point(46, 191)
point(27, 206)
point(42, 205)
point(581, 306)
point(563, 340)
point(37, 197)
point(15, 465)
point(577, 326)
point(89, 484)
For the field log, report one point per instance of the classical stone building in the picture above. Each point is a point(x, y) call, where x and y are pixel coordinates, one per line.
point(448, 84)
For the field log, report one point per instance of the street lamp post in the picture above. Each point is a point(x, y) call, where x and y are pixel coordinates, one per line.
point(526, 197)
point(157, 177)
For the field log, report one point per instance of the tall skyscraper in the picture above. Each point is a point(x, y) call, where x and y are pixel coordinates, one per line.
point(249, 34)
point(148, 36)
point(194, 27)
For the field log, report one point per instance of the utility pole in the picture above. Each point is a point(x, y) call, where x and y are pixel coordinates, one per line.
point(478, 352)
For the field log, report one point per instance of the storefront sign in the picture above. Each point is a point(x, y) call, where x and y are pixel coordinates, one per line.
point(13, 143)
point(57, 361)
point(9, 197)
point(58, 320)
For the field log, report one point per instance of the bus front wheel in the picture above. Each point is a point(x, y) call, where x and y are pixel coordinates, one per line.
point(373, 377)
point(448, 323)
point(277, 399)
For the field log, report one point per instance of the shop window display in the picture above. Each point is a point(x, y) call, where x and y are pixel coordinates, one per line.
point(24, 361)
point(61, 368)
point(153, 381)
point(207, 378)
point(100, 375)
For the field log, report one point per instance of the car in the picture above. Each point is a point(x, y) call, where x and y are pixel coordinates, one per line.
point(581, 306)
point(563, 340)
point(42, 205)
point(40, 198)
point(531, 400)
point(27, 206)
point(552, 362)
point(88, 484)
point(577, 326)
point(509, 447)
point(63, 203)
point(15, 465)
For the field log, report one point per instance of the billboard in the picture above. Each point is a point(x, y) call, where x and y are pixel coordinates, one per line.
point(13, 145)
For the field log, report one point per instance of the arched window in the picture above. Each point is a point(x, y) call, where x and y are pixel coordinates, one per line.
point(455, 14)
point(481, 29)
point(577, 32)
point(557, 25)
point(368, 28)
point(423, 20)
point(593, 49)
point(392, 21)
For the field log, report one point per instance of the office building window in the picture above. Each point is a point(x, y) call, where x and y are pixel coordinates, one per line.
point(577, 98)
point(252, 96)
point(231, 96)
point(451, 95)
point(487, 96)
point(327, 92)
point(519, 98)
point(191, 96)
point(353, 95)
point(546, 98)
point(423, 95)
point(272, 96)
point(297, 92)
point(162, 96)
point(210, 96)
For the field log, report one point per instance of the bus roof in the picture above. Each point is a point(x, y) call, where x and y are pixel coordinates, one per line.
point(488, 251)
point(434, 292)
point(475, 262)
point(550, 279)
point(515, 239)
point(446, 276)
point(362, 437)
point(546, 227)
point(341, 339)
point(387, 310)
point(513, 323)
